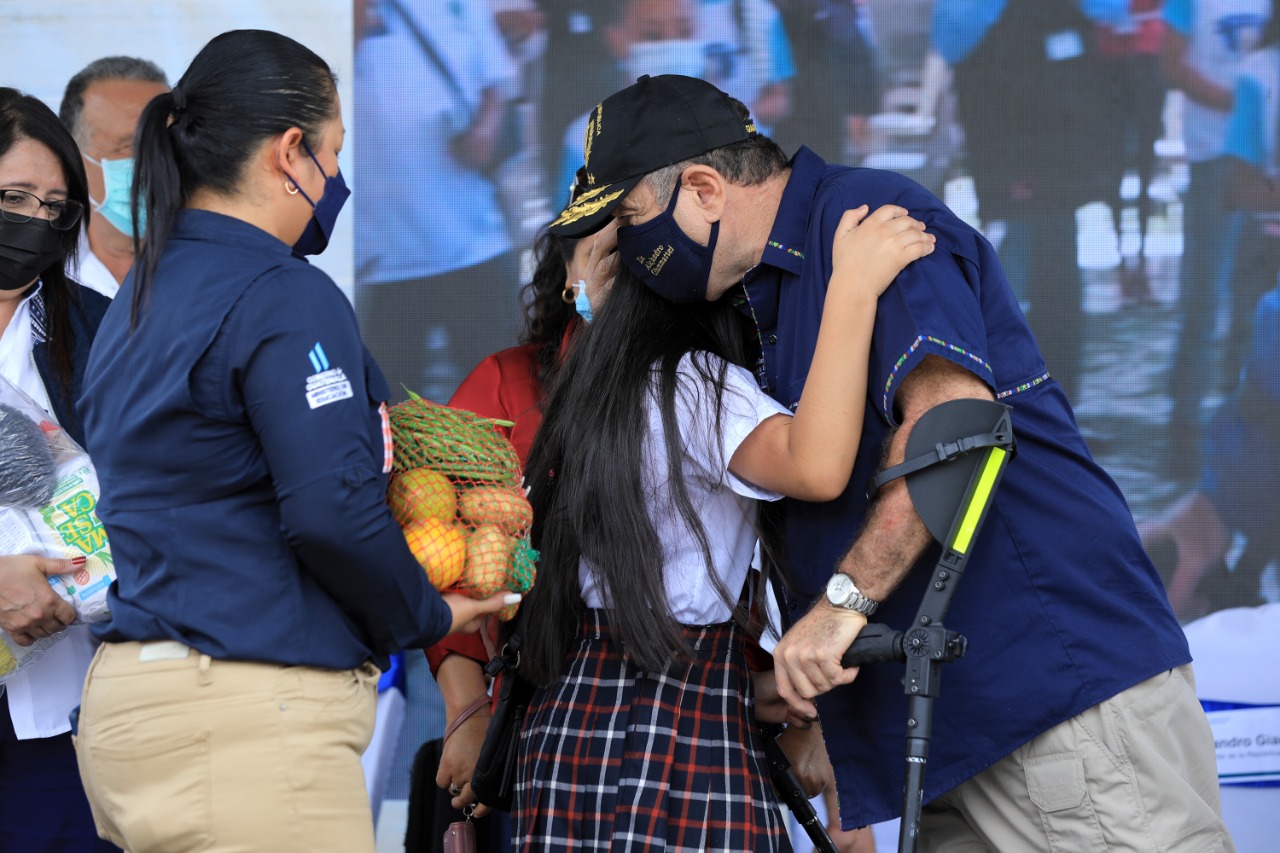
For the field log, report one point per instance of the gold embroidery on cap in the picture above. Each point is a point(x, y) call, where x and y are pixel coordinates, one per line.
point(590, 194)
point(579, 210)
point(593, 130)
point(751, 128)
point(586, 148)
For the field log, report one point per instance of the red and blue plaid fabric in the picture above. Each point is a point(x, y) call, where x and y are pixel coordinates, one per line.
point(613, 758)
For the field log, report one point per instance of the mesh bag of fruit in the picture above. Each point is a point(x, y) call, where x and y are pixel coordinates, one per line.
point(455, 489)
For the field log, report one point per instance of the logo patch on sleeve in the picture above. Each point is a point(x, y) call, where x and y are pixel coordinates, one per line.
point(328, 384)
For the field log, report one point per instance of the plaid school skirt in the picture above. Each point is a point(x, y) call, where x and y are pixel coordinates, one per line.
point(613, 758)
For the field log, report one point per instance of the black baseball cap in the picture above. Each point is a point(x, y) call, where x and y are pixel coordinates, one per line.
point(651, 124)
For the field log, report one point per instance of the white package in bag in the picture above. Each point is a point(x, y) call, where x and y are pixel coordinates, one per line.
point(48, 506)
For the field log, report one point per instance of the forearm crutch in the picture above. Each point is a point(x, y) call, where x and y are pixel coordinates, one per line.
point(951, 481)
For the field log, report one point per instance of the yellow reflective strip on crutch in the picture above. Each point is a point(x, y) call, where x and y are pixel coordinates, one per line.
point(981, 495)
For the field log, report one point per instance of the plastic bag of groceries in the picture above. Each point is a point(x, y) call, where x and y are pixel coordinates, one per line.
point(48, 501)
point(455, 489)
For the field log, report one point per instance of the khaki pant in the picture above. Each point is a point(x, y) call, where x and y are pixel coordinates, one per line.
point(182, 753)
point(1137, 772)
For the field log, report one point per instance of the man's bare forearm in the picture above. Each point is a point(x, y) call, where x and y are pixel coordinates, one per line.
point(894, 536)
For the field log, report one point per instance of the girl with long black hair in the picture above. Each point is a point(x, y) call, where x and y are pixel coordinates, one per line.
point(569, 275)
point(239, 428)
point(655, 445)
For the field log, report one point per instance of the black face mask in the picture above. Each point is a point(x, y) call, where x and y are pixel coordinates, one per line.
point(26, 250)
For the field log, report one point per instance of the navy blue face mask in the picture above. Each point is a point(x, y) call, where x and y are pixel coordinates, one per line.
point(662, 256)
point(324, 213)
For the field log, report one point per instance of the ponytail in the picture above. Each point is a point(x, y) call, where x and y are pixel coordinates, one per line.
point(243, 87)
point(156, 197)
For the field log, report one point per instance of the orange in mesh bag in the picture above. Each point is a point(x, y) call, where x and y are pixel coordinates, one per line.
point(456, 491)
point(441, 549)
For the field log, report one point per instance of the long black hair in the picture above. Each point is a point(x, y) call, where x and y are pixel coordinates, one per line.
point(548, 315)
point(242, 88)
point(25, 117)
point(585, 472)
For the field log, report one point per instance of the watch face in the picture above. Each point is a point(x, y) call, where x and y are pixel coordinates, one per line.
point(839, 588)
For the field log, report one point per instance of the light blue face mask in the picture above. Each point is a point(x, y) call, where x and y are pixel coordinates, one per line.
point(117, 179)
point(581, 303)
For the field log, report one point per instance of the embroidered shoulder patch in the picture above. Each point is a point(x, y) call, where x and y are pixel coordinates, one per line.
point(328, 384)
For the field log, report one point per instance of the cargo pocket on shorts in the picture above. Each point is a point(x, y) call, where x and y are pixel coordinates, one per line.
point(1056, 784)
point(157, 794)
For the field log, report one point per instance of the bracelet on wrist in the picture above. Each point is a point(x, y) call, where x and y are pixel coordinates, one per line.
point(466, 714)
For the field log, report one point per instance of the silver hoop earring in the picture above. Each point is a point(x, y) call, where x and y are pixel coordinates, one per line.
point(290, 187)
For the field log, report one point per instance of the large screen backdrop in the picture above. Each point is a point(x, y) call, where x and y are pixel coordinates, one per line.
point(1142, 267)
point(1095, 143)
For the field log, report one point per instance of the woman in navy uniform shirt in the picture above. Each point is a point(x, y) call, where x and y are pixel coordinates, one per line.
point(239, 429)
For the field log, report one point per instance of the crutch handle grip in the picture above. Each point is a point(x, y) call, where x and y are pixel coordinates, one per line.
point(875, 644)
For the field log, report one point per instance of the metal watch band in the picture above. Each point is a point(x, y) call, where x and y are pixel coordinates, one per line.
point(859, 603)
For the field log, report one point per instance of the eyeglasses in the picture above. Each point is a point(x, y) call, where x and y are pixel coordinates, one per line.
point(20, 206)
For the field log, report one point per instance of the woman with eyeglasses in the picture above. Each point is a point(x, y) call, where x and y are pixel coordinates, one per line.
point(47, 324)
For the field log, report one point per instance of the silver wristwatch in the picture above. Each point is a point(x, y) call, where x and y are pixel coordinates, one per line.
point(843, 593)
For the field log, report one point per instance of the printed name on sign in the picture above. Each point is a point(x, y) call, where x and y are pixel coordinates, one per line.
point(327, 387)
point(1248, 744)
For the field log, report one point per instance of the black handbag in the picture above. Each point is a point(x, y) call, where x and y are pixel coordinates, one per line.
point(431, 814)
point(494, 779)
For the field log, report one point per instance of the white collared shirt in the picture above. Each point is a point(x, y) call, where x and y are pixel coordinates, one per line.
point(16, 362)
point(42, 696)
point(91, 271)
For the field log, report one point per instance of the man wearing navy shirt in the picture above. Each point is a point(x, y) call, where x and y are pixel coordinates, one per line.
point(1072, 722)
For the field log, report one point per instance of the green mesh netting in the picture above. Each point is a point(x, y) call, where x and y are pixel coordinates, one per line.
point(455, 489)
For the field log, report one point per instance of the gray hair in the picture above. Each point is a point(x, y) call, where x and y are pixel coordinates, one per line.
point(107, 68)
point(746, 163)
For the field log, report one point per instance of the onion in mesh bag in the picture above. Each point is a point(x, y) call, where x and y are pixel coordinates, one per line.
point(28, 475)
